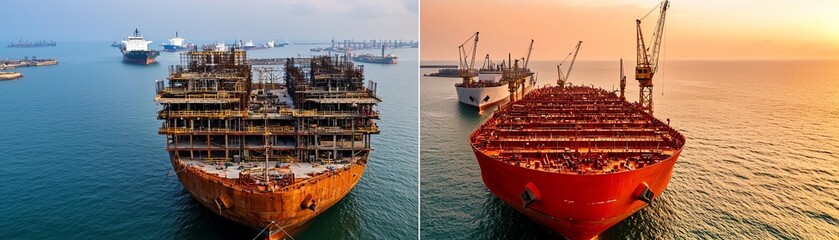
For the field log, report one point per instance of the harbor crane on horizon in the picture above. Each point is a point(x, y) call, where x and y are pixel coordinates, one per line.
point(466, 63)
point(562, 79)
point(647, 58)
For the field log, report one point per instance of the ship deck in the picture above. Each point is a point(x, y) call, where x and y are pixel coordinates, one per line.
point(232, 170)
point(578, 130)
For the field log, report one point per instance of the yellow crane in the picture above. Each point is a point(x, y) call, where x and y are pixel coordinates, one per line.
point(647, 58)
point(467, 63)
point(562, 79)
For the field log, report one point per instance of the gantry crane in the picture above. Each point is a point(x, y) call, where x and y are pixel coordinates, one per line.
point(467, 64)
point(648, 59)
point(562, 79)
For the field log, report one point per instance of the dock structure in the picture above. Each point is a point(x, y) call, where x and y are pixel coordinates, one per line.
point(26, 62)
point(10, 75)
point(267, 147)
point(266, 61)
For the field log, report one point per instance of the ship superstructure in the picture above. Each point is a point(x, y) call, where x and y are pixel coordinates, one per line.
point(270, 155)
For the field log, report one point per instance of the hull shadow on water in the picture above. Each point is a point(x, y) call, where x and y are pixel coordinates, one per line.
point(197, 222)
point(509, 222)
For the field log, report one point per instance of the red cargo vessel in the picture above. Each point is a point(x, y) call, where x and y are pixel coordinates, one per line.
point(581, 159)
point(577, 159)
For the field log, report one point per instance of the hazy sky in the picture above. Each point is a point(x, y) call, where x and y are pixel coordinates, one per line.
point(706, 29)
point(261, 20)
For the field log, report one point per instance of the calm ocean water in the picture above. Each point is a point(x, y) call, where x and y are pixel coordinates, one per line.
point(761, 160)
point(81, 158)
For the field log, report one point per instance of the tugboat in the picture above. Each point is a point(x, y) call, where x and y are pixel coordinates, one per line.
point(136, 50)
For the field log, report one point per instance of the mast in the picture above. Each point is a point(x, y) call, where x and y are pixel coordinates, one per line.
point(623, 82)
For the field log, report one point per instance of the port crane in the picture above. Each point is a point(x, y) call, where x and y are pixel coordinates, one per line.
point(488, 64)
point(529, 50)
point(516, 82)
point(466, 63)
point(562, 79)
point(647, 58)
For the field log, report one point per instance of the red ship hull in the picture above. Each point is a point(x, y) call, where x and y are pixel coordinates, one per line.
point(576, 206)
point(578, 159)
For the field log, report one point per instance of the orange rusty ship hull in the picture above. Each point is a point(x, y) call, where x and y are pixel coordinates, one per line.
point(576, 206)
point(258, 209)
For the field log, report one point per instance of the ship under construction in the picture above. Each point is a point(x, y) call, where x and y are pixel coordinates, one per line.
point(268, 154)
point(580, 159)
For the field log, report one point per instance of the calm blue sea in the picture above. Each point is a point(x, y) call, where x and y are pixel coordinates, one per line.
point(80, 157)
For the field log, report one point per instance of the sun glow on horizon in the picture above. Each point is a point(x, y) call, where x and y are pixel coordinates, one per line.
point(695, 30)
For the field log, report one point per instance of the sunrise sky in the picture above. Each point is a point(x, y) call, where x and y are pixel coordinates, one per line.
point(695, 30)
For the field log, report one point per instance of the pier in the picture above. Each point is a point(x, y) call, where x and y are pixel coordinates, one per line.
point(10, 75)
point(26, 62)
point(438, 66)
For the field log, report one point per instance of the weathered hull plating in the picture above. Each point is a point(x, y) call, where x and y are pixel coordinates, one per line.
point(258, 209)
point(576, 206)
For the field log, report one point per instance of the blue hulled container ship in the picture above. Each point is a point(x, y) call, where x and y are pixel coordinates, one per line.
point(136, 50)
point(176, 44)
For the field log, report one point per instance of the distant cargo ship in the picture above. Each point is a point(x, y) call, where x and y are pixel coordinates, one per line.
point(28, 44)
point(494, 86)
point(370, 58)
point(136, 50)
point(495, 82)
point(116, 44)
point(249, 45)
point(176, 44)
point(277, 43)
